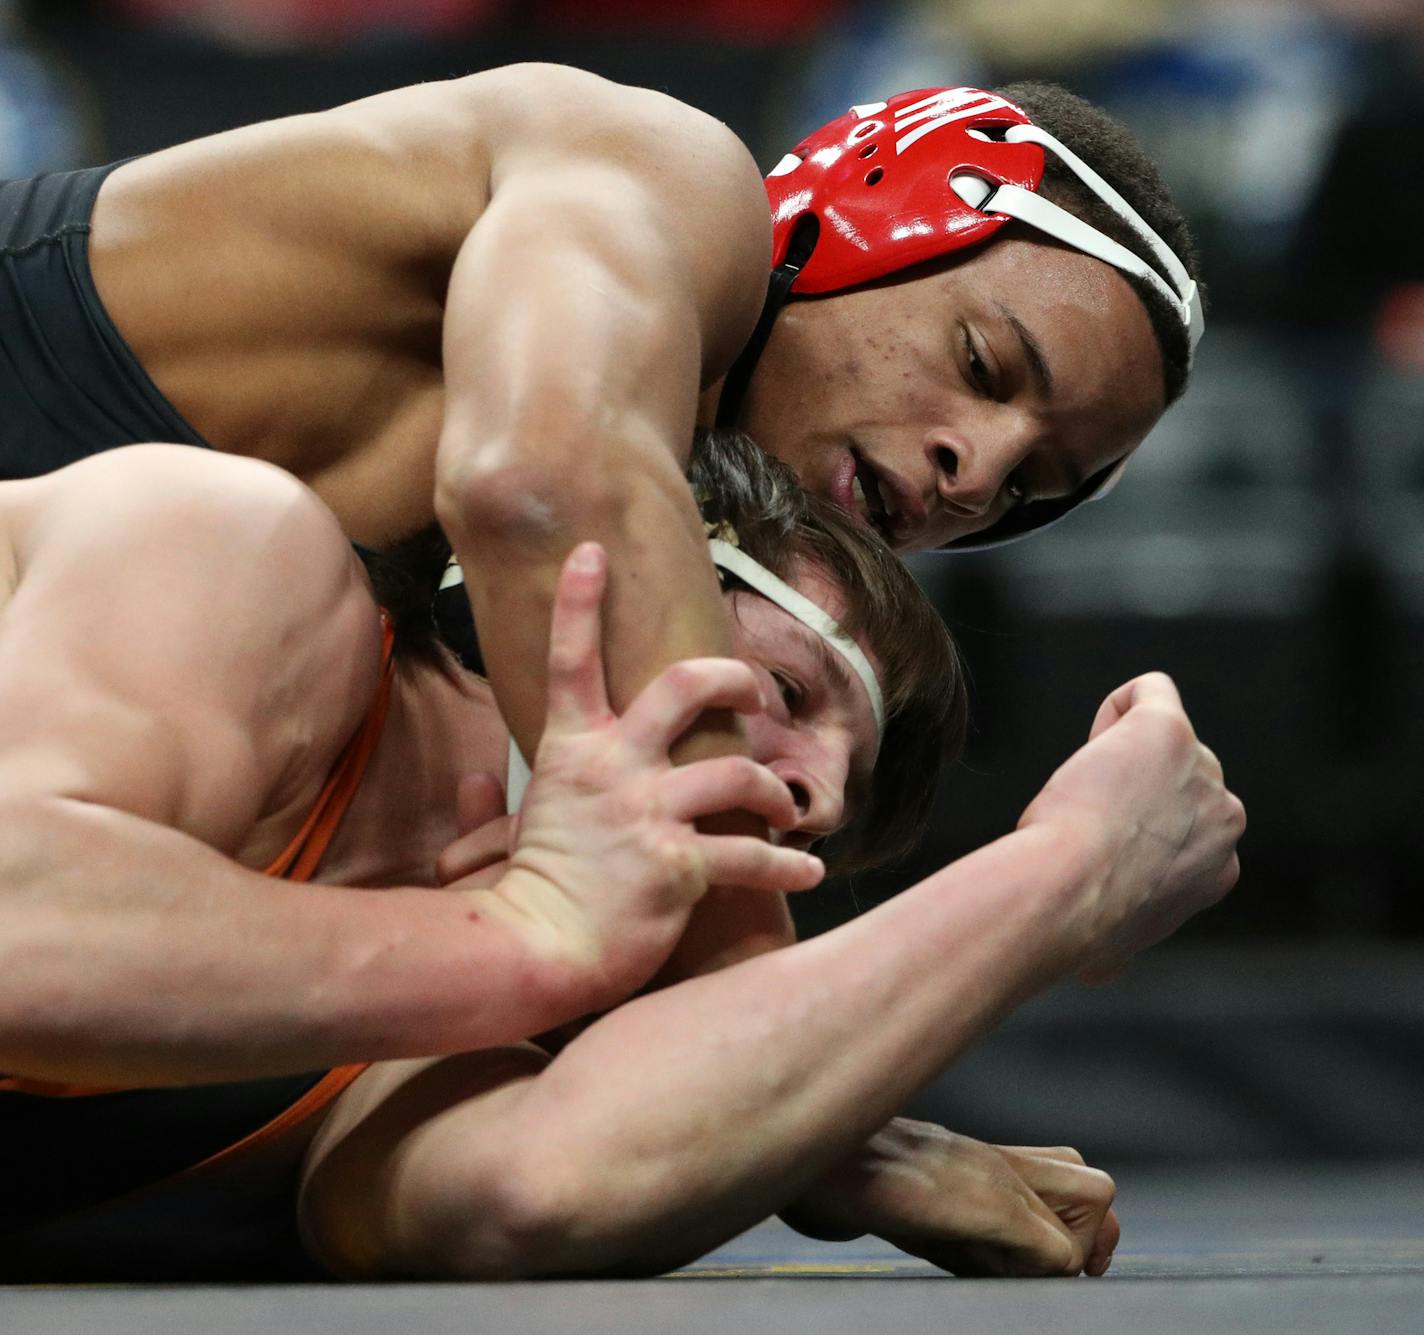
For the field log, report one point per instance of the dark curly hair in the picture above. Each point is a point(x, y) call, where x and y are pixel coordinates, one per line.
point(1114, 154)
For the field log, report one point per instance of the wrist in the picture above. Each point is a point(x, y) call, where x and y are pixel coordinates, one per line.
point(559, 959)
point(1071, 860)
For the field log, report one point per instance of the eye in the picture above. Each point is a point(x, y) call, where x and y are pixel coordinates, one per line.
point(1015, 488)
point(792, 694)
point(978, 368)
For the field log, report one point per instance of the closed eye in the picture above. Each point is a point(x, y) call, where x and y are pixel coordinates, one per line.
point(792, 694)
point(979, 373)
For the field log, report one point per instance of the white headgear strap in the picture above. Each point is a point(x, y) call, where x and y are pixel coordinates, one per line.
point(1043, 214)
point(757, 576)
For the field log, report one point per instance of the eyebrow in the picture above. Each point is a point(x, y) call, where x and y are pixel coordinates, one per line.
point(831, 663)
point(1033, 353)
point(858, 780)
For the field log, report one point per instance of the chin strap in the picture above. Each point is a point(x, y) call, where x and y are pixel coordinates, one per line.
point(778, 289)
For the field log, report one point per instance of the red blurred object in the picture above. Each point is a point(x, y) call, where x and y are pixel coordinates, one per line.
point(747, 22)
point(1399, 327)
point(263, 22)
point(877, 180)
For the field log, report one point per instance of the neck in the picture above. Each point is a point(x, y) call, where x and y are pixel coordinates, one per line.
point(707, 403)
point(441, 725)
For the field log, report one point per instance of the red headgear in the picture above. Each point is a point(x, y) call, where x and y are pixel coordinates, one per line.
point(877, 181)
point(893, 184)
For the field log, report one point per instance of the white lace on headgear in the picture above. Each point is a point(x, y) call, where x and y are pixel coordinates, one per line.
point(757, 576)
point(1037, 211)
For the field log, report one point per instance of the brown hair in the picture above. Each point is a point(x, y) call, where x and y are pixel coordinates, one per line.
point(1114, 154)
point(926, 698)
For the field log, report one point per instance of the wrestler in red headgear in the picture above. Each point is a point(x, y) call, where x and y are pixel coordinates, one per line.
point(894, 186)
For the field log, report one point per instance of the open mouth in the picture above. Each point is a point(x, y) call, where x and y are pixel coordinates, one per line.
point(870, 499)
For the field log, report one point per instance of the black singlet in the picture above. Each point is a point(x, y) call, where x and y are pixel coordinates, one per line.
point(69, 384)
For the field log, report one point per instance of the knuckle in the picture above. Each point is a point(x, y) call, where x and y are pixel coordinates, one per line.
point(1175, 726)
point(745, 773)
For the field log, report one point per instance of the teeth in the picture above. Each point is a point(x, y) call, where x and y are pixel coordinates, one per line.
point(858, 492)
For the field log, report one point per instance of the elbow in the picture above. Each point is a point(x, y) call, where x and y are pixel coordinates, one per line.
point(503, 1223)
point(486, 491)
point(542, 1221)
point(529, 496)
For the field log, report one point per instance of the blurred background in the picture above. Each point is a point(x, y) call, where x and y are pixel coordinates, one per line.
point(1266, 547)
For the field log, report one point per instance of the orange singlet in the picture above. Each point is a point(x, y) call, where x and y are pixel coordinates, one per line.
point(297, 862)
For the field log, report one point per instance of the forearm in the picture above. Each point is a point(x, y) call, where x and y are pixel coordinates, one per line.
point(691, 1113)
point(132, 954)
point(573, 357)
point(570, 405)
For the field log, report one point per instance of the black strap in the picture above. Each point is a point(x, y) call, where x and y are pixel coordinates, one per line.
point(778, 292)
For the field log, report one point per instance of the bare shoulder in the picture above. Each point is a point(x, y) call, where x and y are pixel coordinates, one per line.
point(687, 188)
point(181, 624)
point(550, 105)
point(241, 530)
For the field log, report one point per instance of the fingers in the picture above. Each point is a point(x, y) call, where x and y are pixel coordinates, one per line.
point(728, 783)
point(1029, 1242)
point(1042, 1245)
point(753, 864)
point(666, 706)
point(577, 693)
point(1081, 1198)
point(1104, 1245)
point(1063, 1153)
point(1153, 688)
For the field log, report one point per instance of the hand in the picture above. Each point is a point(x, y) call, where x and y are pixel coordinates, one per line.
point(1150, 800)
point(607, 864)
point(967, 1207)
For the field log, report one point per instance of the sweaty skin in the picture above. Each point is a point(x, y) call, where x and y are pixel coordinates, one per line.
point(1005, 375)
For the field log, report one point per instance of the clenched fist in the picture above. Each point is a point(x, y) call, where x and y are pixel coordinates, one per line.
point(1146, 802)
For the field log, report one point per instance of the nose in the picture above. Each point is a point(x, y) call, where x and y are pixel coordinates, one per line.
point(820, 807)
point(964, 477)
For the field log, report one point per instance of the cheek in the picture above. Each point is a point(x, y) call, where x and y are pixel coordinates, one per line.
point(762, 738)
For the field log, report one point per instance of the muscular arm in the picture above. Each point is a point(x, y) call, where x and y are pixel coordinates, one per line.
point(588, 255)
point(187, 645)
point(723, 1098)
point(689, 1114)
point(160, 667)
point(619, 265)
